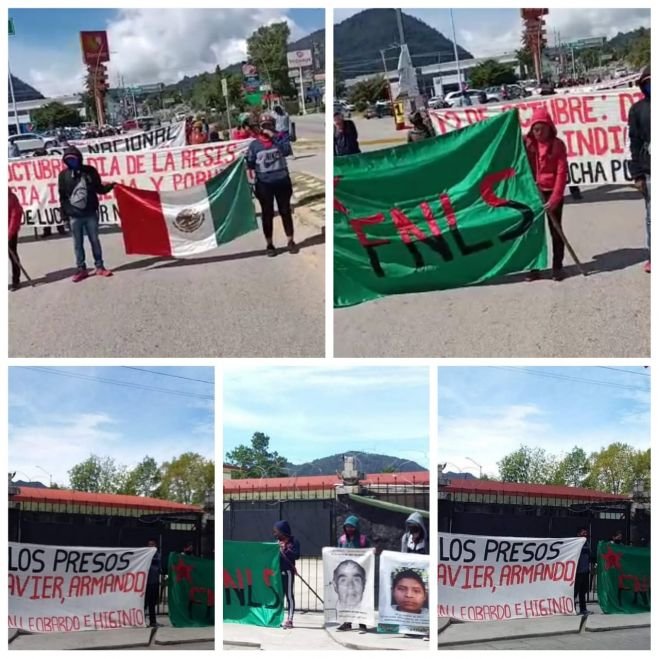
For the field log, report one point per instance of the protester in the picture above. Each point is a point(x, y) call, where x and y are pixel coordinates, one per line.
point(352, 538)
point(244, 130)
point(415, 538)
point(289, 552)
point(617, 538)
point(198, 135)
point(346, 139)
point(152, 584)
point(266, 162)
point(283, 127)
point(419, 130)
point(548, 158)
point(15, 214)
point(482, 98)
point(188, 548)
point(639, 144)
point(79, 186)
point(582, 577)
point(214, 133)
point(14, 151)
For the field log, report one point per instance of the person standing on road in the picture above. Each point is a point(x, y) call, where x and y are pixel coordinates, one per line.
point(352, 538)
point(582, 577)
point(548, 158)
point(346, 139)
point(639, 145)
point(420, 130)
point(153, 584)
point(266, 162)
point(15, 214)
point(79, 186)
point(283, 126)
point(289, 552)
point(415, 538)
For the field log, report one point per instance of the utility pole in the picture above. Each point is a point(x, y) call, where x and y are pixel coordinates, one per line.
point(455, 52)
point(12, 33)
point(399, 19)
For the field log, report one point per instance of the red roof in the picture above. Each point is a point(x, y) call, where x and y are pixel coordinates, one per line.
point(44, 494)
point(468, 485)
point(323, 482)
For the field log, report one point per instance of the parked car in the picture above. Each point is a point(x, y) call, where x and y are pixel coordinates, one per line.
point(436, 103)
point(339, 107)
point(28, 142)
point(455, 99)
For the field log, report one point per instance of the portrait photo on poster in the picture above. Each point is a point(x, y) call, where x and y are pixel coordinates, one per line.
point(349, 578)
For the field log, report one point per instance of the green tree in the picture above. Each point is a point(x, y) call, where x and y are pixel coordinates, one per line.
point(256, 461)
point(369, 91)
point(589, 58)
point(187, 479)
point(615, 468)
point(266, 49)
point(490, 73)
point(525, 59)
point(527, 465)
point(639, 50)
point(339, 84)
point(143, 480)
point(95, 474)
point(55, 115)
point(573, 468)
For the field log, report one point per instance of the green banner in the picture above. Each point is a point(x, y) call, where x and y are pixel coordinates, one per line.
point(253, 592)
point(191, 591)
point(458, 209)
point(623, 578)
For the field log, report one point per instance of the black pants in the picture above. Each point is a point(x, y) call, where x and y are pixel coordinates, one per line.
point(15, 269)
point(266, 193)
point(151, 600)
point(581, 583)
point(557, 244)
point(288, 583)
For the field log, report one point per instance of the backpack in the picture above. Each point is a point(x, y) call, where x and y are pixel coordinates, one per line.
point(362, 540)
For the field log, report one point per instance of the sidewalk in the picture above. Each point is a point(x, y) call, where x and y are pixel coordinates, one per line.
point(452, 633)
point(310, 633)
point(117, 639)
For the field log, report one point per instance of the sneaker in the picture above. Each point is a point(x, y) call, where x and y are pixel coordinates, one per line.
point(80, 275)
point(270, 250)
point(288, 624)
point(292, 247)
point(557, 274)
point(344, 627)
point(533, 275)
point(646, 267)
point(103, 272)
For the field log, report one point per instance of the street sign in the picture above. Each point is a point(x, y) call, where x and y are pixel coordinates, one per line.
point(225, 89)
point(12, 31)
point(298, 59)
point(95, 47)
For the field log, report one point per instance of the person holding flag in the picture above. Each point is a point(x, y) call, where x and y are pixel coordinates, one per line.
point(289, 552)
point(15, 214)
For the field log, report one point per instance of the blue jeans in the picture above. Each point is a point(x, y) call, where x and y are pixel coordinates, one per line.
point(647, 212)
point(88, 225)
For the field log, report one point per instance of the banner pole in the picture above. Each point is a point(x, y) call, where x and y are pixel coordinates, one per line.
point(14, 257)
point(559, 231)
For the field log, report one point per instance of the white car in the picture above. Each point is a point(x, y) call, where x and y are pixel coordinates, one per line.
point(456, 99)
point(28, 142)
point(348, 106)
point(436, 102)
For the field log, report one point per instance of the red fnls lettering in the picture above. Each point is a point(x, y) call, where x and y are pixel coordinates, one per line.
point(228, 581)
point(405, 226)
point(488, 184)
point(267, 575)
point(357, 225)
point(338, 206)
point(248, 572)
point(448, 209)
point(430, 218)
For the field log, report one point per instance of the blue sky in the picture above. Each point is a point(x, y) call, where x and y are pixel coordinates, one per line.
point(494, 31)
point(313, 412)
point(486, 413)
point(57, 421)
point(146, 45)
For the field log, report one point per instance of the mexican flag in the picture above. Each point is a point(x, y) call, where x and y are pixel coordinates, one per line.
point(187, 222)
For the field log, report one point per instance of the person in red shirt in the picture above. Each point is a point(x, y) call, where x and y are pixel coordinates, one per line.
point(548, 158)
point(15, 214)
point(198, 136)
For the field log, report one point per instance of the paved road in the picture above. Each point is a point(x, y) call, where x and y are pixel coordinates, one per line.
point(620, 639)
point(230, 302)
point(606, 314)
point(310, 126)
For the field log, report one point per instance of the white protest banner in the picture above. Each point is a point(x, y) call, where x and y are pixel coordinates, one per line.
point(34, 180)
point(593, 127)
point(404, 590)
point(165, 137)
point(349, 578)
point(485, 578)
point(70, 589)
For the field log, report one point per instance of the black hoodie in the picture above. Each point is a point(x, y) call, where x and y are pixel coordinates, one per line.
point(68, 180)
point(639, 133)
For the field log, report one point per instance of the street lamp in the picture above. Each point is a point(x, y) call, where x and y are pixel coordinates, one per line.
point(50, 476)
point(480, 468)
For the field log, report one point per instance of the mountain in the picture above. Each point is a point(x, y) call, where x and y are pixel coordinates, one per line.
point(23, 91)
point(369, 463)
point(358, 40)
point(624, 40)
point(463, 475)
point(29, 484)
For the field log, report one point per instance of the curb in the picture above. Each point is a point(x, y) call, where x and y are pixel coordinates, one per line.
point(614, 629)
point(241, 644)
point(354, 646)
point(510, 638)
point(384, 140)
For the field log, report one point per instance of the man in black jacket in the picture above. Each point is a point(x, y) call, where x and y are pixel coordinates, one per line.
point(639, 144)
point(582, 577)
point(79, 187)
point(346, 140)
point(153, 584)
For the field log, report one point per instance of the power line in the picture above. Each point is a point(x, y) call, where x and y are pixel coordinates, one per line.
point(623, 370)
point(558, 376)
point(167, 375)
point(120, 383)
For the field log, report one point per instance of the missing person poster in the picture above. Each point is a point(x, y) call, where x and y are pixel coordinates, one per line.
point(404, 590)
point(349, 578)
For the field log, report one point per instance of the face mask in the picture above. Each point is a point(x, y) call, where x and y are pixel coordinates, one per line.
point(73, 163)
